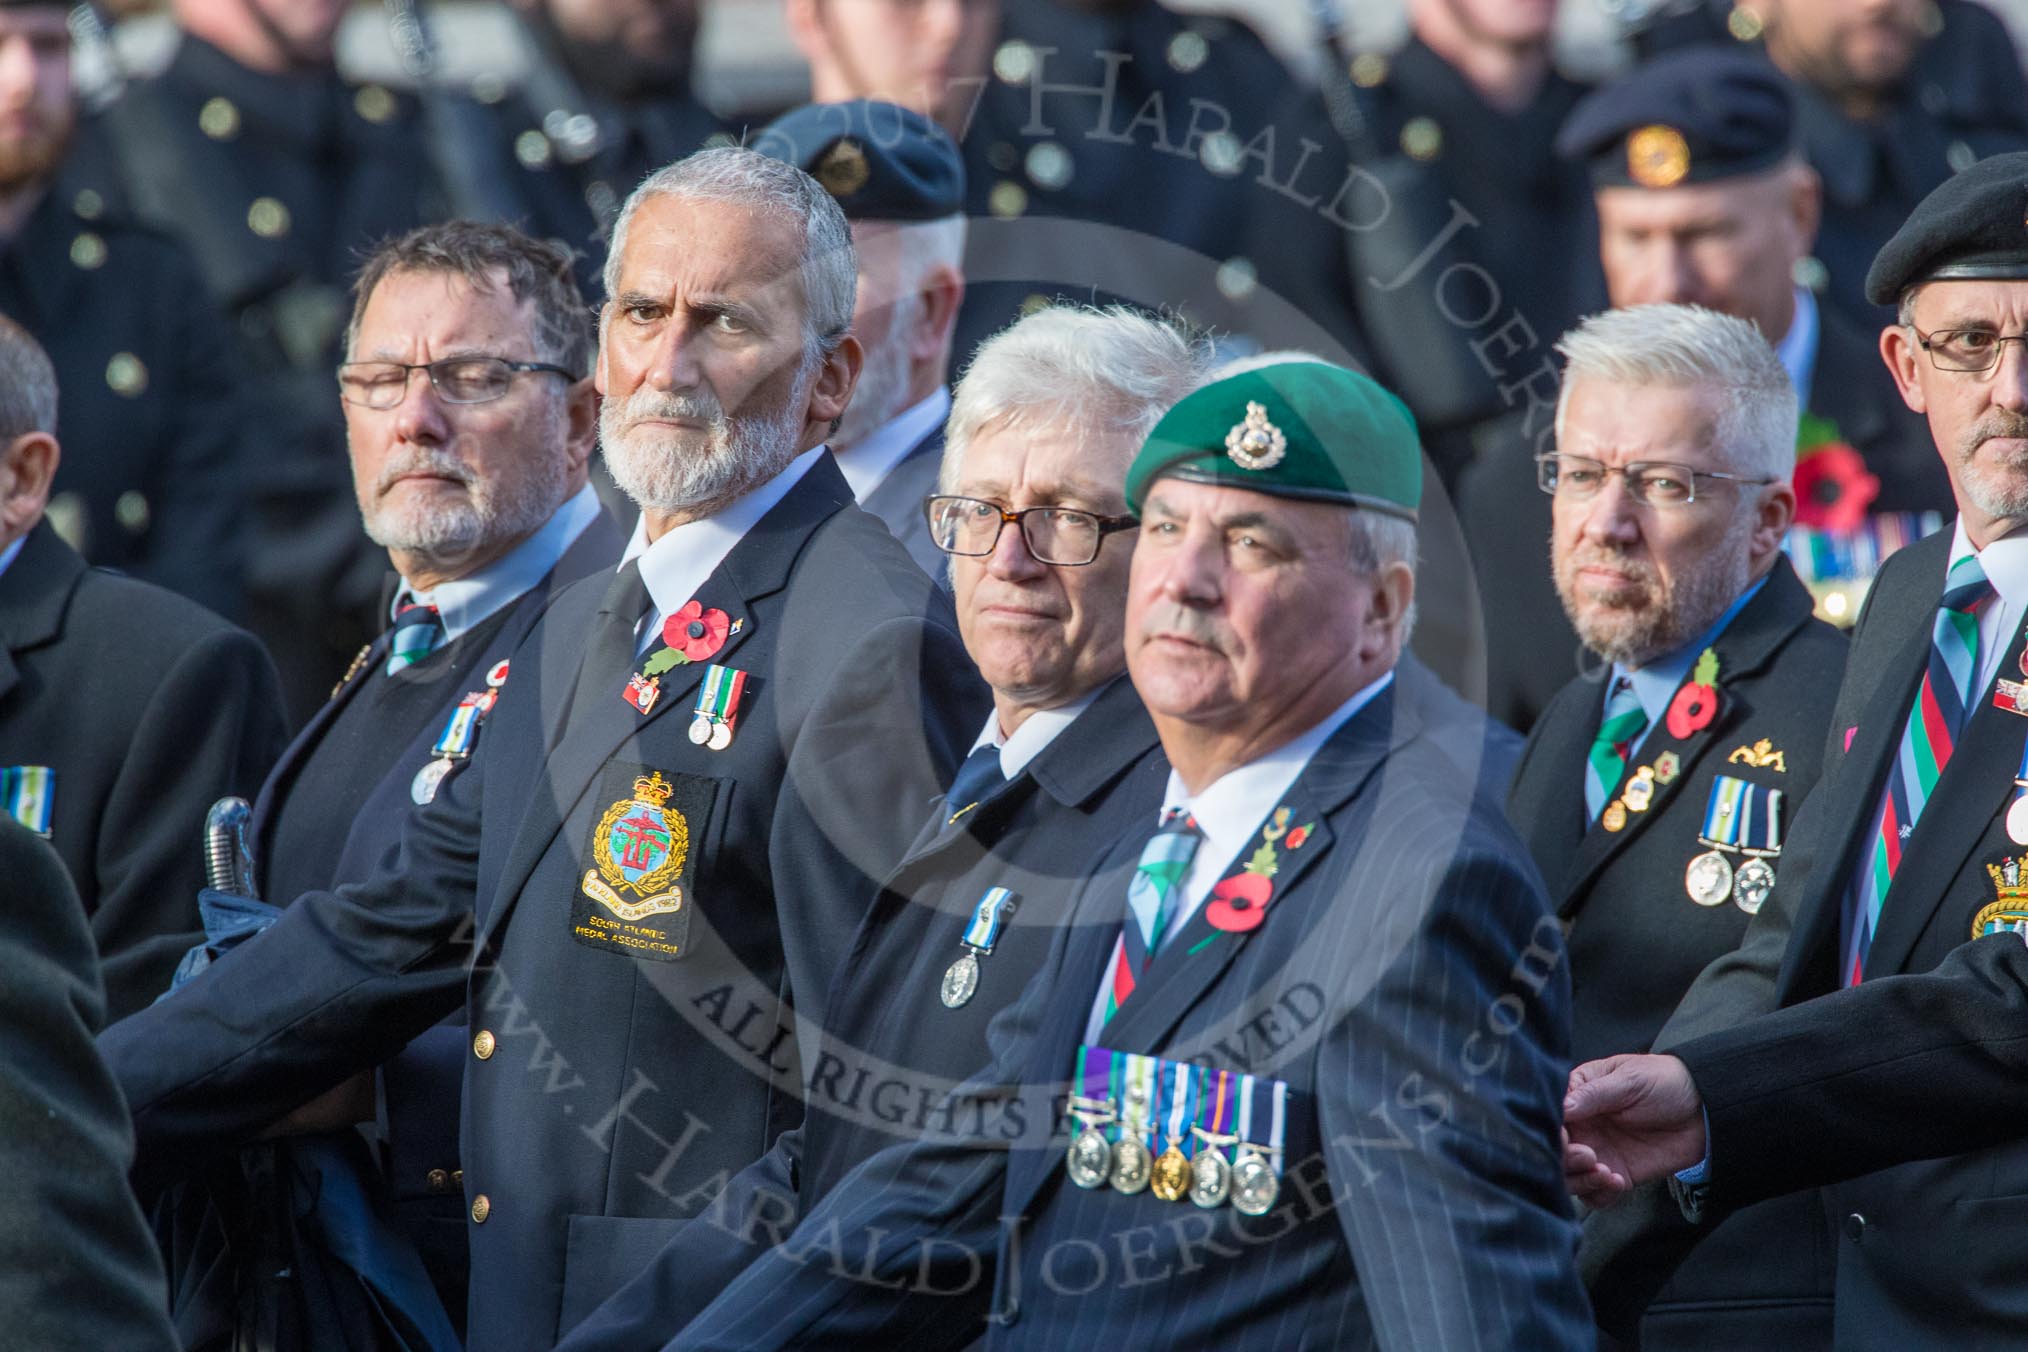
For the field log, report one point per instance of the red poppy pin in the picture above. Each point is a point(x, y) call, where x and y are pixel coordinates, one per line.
point(1834, 489)
point(1696, 703)
point(1240, 903)
point(693, 634)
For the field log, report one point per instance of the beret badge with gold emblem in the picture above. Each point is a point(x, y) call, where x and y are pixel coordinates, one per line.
point(843, 170)
point(1657, 157)
point(1256, 443)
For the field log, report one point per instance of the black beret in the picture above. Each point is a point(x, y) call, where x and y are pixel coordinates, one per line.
point(1974, 225)
point(1691, 116)
point(881, 162)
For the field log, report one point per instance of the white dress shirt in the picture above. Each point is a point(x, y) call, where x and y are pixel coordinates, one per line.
point(675, 566)
point(873, 459)
point(1032, 737)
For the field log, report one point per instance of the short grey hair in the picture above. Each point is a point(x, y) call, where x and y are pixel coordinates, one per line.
point(27, 384)
point(1688, 345)
point(1114, 370)
point(761, 183)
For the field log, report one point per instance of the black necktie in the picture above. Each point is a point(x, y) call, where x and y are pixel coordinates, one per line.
point(609, 649)
point(978, 779)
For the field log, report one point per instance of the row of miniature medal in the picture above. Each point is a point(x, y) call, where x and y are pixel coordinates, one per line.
point(1130, 1102)
point(460, 732)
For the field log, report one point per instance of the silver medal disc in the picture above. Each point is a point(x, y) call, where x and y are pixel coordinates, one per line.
point(427, 780)
point(1210, 1178)
point(721, 736)
point(1090, 1159)
point(1254, 1185)
point(1132, 1165)
point(961, 981)
point(700, 729)
point(1708, 880)
point(2017, 821)
point(1752, 884)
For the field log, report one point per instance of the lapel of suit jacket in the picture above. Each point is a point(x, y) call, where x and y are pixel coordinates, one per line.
point(286, 766)
point(1078, 764)
point(596, 723)
point(1978, 778)
point(1539, 804)
point(35, 592)
point(1191, 961)
point(1902, 608)
point(1744, 649)
point(897, 498)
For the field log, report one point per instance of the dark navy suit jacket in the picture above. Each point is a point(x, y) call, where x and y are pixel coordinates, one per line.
point(616, 1088)
point(1406, 984)
point(890, 1050)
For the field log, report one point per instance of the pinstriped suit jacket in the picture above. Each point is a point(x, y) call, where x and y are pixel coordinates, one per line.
point(1407, 983)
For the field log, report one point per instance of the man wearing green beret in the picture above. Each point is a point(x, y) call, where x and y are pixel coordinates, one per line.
point(1289, 1075)
point(1894, 965)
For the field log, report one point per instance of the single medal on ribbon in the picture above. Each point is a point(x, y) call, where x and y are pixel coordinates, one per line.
point(989, 917)
point(1256, 1173)
point(1210, 1172)
point(1133, 1162)
point(1171, 1174)
point(454, 744)
point(1089, 1161)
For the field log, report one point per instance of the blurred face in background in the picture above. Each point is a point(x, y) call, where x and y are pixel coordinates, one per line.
point(1845, 47)
point(36, 116)
point(1730, 245)
point(1508, 23)
point(902, 51)
point(633, 43)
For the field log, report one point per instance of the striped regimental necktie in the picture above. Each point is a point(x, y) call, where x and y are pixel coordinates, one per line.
point(417, 632)
point(1152, 898)
point(1623, 723)
point(1934, 722)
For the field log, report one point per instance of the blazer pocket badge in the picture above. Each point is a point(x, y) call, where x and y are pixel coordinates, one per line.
point(632, 898)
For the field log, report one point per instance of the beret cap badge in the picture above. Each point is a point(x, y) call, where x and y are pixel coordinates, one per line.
point(1256, 443)
point(1657, 157)
point(843, 170)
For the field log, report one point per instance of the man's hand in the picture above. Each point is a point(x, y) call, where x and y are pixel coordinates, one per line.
point(1629, 1119)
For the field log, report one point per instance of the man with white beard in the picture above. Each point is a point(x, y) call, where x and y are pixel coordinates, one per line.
point(470, 416)
point(901, 183)
point(616, 888)
point(1654, 797)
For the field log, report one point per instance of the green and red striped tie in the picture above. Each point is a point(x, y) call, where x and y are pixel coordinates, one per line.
point(1934, 722)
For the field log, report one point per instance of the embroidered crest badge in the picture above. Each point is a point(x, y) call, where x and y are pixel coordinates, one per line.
point(638, 848)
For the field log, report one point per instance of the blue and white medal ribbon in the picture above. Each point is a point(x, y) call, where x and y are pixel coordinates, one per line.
point(30, 795)
point(454, 744)
point(989, 917)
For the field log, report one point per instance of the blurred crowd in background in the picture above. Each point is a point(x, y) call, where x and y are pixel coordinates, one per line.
point(186, 191)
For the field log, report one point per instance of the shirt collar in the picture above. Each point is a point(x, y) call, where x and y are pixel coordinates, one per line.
point(2005, 562)
point(872, 460)
point(1034, 735)
point(467, 601)
point(1657, 682)
point(1798, 347)
point(1231, 806)
point(675, 566)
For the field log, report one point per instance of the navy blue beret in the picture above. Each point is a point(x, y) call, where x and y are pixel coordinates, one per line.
point(881, 162)
point(1691, 116)
point(1974, 225)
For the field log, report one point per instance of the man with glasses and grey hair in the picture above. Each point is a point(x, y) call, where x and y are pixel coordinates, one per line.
point(620, 887)
point(1032, 518)
point(1654, 795)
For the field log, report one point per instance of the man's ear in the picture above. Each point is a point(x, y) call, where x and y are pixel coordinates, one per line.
point(832, 390)
point(806, 30)
point(27, 467)
point(1393, 599)
point(942, 292)
point(1899, 350)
